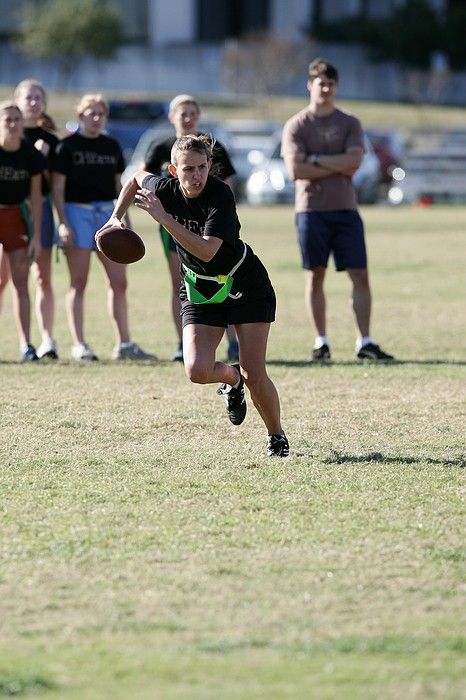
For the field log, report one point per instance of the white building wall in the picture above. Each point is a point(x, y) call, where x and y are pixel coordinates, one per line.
point(289, 18)
point(171, 21)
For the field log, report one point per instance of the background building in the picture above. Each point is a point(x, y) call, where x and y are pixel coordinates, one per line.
point(179, 45)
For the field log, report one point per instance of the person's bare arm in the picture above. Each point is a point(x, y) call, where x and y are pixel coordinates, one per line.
point(301, 167)
point(58, 194)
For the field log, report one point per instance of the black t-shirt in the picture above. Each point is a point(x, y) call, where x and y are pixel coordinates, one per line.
point(33, 134)
point(90, 166)
point(213, 213)
point(16, 170)
point(159, 154)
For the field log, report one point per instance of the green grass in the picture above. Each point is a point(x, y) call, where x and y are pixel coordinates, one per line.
point(149, 550)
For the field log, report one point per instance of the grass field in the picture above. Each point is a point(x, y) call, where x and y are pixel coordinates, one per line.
point(150, 550)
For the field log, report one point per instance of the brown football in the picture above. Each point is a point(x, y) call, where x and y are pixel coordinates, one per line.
point(122, 245)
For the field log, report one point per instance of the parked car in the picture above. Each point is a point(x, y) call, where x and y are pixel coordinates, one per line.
point(248, 139)
point(269, 183)
point(429, 177)
point(163, 131)
point(128, 120)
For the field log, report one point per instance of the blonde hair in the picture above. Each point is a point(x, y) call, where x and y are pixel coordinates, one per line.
point(87, 99)
point(9, 104)
point(181, 100)
point(29, 83)
point(45, 121)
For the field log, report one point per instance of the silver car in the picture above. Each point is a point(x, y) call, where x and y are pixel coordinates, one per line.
point(269, 183)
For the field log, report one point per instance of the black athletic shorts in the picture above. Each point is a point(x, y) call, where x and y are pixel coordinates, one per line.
point(254, 311)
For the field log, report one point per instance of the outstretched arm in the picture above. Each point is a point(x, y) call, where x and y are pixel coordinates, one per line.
point(125, 198)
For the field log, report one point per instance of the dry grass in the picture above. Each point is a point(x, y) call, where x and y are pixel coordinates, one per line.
point(150, 550)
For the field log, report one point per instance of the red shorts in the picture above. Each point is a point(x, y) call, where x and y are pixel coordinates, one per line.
point(13, 229)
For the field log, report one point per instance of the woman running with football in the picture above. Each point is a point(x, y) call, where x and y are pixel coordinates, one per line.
point(224, 282)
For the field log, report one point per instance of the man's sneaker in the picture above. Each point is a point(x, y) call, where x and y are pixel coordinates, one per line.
point(82, 351)
point(178, 354)
point(277, 446)
point(233, 351)
point(48, 348)
point(235, 400)
point(29, 354)
point(320, 354)
point(371, 351)
point(131, 351)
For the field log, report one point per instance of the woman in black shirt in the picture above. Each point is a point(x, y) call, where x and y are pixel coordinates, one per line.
point(223, 281)
point(31, 99)
point(21, 167)
point(87, 168)
point(184, 113)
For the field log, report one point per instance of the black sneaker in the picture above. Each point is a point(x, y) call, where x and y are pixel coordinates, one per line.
point(233, 351)
point(277, 446)
point(320, 354)
point(178, 354)
point(371, 351)
point(29, 354)
point(235, 400)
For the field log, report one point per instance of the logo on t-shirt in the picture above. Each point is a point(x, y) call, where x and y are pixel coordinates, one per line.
point(327, 134)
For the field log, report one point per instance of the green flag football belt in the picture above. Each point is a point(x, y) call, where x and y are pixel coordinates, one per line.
point(226, 282)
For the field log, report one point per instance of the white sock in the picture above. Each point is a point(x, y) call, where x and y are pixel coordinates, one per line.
point(321, 340)
point(127, 344)
point(361, 342)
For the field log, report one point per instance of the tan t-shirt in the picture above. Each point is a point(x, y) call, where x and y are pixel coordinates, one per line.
point(308, 134)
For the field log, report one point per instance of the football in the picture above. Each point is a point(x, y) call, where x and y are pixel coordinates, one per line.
point(122, 245)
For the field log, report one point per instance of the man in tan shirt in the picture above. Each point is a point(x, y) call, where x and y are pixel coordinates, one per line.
point(323, 147)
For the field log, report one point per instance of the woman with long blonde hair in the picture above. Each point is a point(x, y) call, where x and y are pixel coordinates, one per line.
point(86, 181)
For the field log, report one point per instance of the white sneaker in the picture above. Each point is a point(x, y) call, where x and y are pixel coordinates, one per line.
point(48, 348)
point(131, 351)
point(82, 351)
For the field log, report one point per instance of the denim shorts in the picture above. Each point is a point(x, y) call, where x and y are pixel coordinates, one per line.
point(340, 232)
point(49, 235)
point(85, 220)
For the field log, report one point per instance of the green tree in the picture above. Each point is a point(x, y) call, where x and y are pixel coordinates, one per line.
point(68, 31)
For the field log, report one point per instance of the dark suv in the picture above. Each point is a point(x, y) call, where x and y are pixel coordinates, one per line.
point(129, 119)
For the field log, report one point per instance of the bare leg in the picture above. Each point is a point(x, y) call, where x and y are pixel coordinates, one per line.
point(253, 345)
point(315, 298)
point(175, 278)
point(45, 302)
point(19, 269)
point(78, 260)
point(4, 273)
point(116, 299)
point(361, 299)
point(199, 345)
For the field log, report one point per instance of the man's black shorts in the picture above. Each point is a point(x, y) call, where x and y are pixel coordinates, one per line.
point(339, 232)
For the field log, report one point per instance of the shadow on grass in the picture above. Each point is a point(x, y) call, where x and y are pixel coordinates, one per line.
point(359, 363)
point(378, 457)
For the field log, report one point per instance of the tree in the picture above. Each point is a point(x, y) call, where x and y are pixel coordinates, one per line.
point(263, 63)
point(68, 31)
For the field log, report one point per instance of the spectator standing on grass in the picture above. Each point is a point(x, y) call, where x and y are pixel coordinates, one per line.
point(87, 169)
point(184, 113)
point(30, 96)
point(323, 147)
point(21, 168)
point(224, 282)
